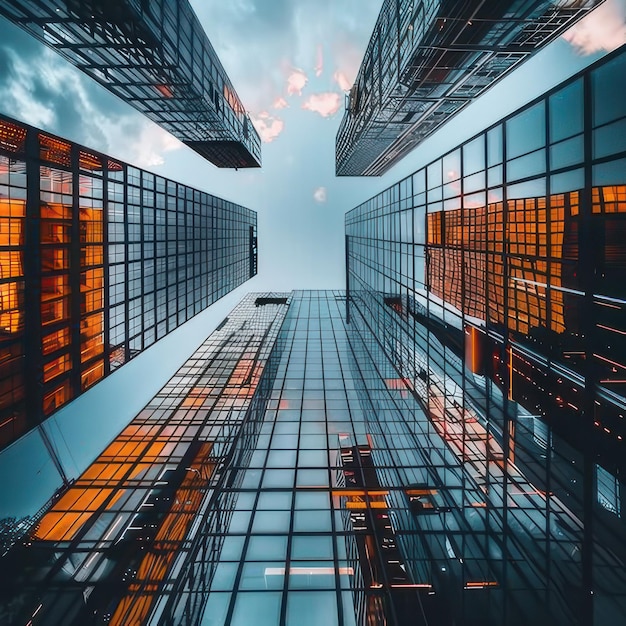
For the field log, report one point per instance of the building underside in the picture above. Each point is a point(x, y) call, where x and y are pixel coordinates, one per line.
point(429, 59)
point(156, 57)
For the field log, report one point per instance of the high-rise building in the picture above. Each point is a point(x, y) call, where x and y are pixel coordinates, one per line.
point(126, 532)
point(155, 56)
point(99, 261)
point(493, 280)
point(426, 60)
point(442, 443)
point(295, 471)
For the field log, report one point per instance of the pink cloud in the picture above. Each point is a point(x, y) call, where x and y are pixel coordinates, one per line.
point(319, 63)
point(603, 28)
point(296, 81)
point(326, 104)
point(280, 103)
point(268, 126)
point(342, 80)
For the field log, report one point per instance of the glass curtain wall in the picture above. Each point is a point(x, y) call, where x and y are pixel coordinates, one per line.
point(116, 545)
point(427, 60)
point(156, 57)
point(98, 260)
point(493, 279)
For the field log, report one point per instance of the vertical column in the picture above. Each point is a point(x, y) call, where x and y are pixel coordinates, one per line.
point(347, 279)
point(74, 275)
point(105, 264)
point(586, 269)
point(507, 395)
point(32, 281)
point(126, 193)
point(253, 252)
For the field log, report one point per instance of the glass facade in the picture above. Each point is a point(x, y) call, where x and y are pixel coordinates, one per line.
point(442, 443)
point(492, 278)
point(99, 260)
point(124, 533)
point(301, 470)
point(426, 60)
point(155, 56)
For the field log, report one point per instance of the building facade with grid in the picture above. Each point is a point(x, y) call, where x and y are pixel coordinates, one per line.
point(426, 60)
point(297, 472)
point(493, 279)
point(156, 57)
point(127, 533)
point(99, 261)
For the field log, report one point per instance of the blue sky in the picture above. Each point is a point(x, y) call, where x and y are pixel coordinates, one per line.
point(290, 61)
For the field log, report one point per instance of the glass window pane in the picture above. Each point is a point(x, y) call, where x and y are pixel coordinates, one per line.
point(566, 112)
point(609, 91)
point(474, 156)
point(526, 131)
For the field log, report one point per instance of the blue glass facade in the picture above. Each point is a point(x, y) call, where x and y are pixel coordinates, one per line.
point(492, 279)
point(302, 470)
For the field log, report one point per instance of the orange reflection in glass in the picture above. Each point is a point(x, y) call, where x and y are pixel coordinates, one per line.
point(152, 571)
point(12, 137)
point(55, 150)
point(12, 213)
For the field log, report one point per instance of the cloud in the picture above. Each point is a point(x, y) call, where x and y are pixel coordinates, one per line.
point(604, 28)
point(342, 80)
point(268, 126)
point(326, 104)
point(319, 61)
point(260, 41)
point(348, 57)
point(40, 88)
point(152, 143)
point(319, 195)
point(280, 103)
point(296, 82)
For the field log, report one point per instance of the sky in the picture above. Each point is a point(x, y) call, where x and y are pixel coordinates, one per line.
point(291, 62)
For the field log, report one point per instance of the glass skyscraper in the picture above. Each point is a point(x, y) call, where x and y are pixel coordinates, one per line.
point(442, 443)
point(493, 280)
point(126, 533)
point(99, 261)
point(156, 57)
point(426, 60)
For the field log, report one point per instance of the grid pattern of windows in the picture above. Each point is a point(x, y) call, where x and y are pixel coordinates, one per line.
point(101, 261)
point(292, 474)
point(499, 265)
point(427, 60)
point(127, 525)
point(505, 235)
point(155, 56)
point(12, 227)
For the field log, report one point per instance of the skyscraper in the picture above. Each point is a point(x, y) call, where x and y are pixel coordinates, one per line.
point(99, 260)
point(292, 473)
point(126, 530)
point(155, 56)
point(440, 444)
point(493, 280)
point(426, 60)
